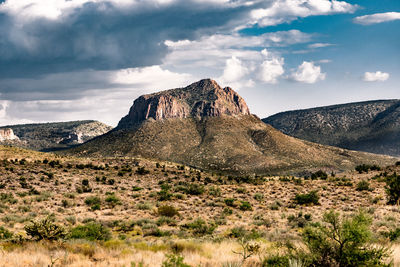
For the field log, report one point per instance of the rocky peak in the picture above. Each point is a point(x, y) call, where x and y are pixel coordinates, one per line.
point(7, 134)
point(204, 98)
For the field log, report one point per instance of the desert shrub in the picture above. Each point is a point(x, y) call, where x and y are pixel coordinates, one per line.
point(393, 235)
point(191, 188)
point(92, 200)
point(245, 205)
point(5, 234)
point(230, 202)
point(319, 175)
point(308, 198)
point(45, 229)
point(393, 189)
point(362, 186)
point(259, 197)
point(200, 227)
point(113, 200)
point(165, 220)
point(214, 191)
point(174, 260)
point(299, 220)
point(91, 231)
point(142, 171)
point(168, 211)
point(276, 205)
point(136, 188)
point(365, 168)
point(343, 242)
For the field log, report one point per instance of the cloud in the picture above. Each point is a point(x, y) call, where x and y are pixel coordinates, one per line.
point(307, 72)
point(319, 45)
point(271, 68)
point(282, 11)
point(48, 36)
point(234, 70)
point(377, 18)
point(375, 76)
point(105, 99)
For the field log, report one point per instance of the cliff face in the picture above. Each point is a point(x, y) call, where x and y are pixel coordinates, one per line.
point(372, 126)
point(7, 134)
point(198, 100)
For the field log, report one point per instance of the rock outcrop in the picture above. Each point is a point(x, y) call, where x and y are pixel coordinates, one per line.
point(371, 126)
point(7, 134)
point(198, 100)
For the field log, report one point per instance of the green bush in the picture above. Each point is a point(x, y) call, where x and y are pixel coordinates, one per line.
point(245, 205)
point(343, 242)
point(45, 229)
point(167, 211)
point(306, 199)
point(365, 168)
point(113, 200)
point(393, 189)
point(5, 234)
point(362, 186)
point(230, 202)
point(91, 231)
point(174, 260)
point(319, 174)
point(200, 227)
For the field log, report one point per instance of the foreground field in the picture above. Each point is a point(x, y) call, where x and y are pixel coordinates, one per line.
point(139, 211)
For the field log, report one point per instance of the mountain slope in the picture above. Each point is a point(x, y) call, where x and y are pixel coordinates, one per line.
point(372, 126)
point(220, 136)
point(53, 136)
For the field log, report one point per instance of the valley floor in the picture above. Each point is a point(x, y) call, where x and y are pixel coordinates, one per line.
point(138, 211)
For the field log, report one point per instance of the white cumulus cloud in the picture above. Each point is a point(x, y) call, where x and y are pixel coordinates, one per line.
point(375, 76)
point(271, 68)
point(377, 18)
point(282, 11)
point(307, 72)
point(234, 70)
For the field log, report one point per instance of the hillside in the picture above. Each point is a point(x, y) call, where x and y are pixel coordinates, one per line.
point(53, 136)
point(372, 126)
point(209, 127)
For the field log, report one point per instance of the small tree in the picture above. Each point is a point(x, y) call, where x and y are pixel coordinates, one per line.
point(343, 242)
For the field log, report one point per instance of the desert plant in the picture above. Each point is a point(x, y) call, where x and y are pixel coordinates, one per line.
point(45, 229)
point(363, 186)
point(5, 234)
point(91, 231)
point(245, 205)
point(393, 189)
point(167, 211)
point(308, 198)
point(174, 260)
point(343, 242)
point(200, 227)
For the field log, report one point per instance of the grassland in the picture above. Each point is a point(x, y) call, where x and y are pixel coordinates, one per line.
point(149, 209)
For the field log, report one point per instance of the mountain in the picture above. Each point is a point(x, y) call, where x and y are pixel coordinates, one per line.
point(211, 128)
point(372, 126)
point(52, 136)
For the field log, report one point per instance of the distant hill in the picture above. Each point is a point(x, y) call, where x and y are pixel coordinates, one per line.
point(209, 127)
point(372, 126)
point(52, 136)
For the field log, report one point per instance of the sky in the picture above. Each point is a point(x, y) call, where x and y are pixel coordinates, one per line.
point(63, 60)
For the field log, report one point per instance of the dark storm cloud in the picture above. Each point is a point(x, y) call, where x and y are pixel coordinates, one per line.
point(101, 36)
